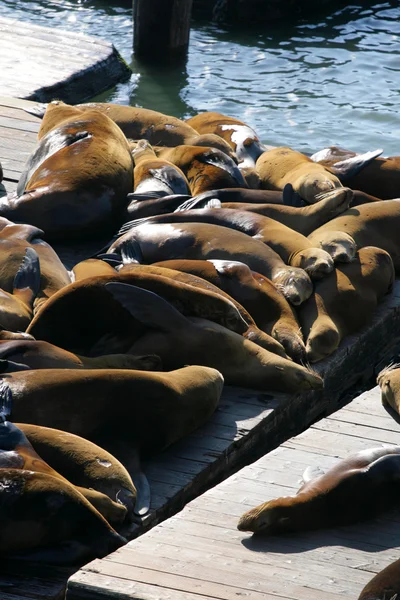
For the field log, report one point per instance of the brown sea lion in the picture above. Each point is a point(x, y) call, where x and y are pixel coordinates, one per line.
point(344, 301)
point(17, 355)
point(252, 332)
point(54, 521)
point(137, 123)
point(385, 585)
point(16, 452)
point(151, 410)
point(205, 168)
point(152, 243)
point(77, 178)
point(372, 224)
point(293, 248)
point(280, 166)
point(14, 241)
point(84, 314)
point(357, 488)
point(304, 219)
point(388, 380)
point(242, 138)
point(83, 463)
point(268, 307)
point(155, 174)
point(91, 267)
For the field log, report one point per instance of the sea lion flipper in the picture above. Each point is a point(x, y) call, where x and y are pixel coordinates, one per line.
point(291, 198)
point(5, 400)
point(111, 259)
point(27, 280)
point(346, 169)
point(199, 202)
point(147, 307)
point(312, 472)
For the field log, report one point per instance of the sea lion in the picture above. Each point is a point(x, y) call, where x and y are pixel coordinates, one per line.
point(14, 241)
point(357, 488)
point(151, 410)
point(293, 248)
point(76, 180)
point(137, 123)
point(53, 520)
point(385, 585)
point(16, 452)
point(280, 166)
point(344, 301)
point(304, 219)
point(153, 243)
point(16, 355)
point(82, 463)
point(388, 380)
point(205, 168)
point(268, 307)
point(91, 267)
point(155, 174)
point(85, 318)
point(372, 224)
point(242, 138)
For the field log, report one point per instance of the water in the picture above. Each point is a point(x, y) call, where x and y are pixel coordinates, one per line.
point(331, 80)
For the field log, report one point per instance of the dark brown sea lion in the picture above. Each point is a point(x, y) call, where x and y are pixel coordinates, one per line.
point(14, 241)
point(293, 248)
point(77, 178)
point(357, 488)
point(17, 355)
point(154, 243)
point(48, 517)
point(304, 219)
point(138, 123)
point(205, 168)
point(280, 166)
point(389, 381)
point(155, 174)
point(151, 410)
point(385, 585)
point(16, 452)
point(242, 138)
point(344, 301)
point(268, 307)
point(373, 224)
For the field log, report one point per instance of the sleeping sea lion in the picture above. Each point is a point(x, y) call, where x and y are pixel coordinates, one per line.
point(357, 488)
point(388, 380)
point(343, 301)
point(76, 180)
point(268, 307)
point(91, 267)
point(372, 224)
point(152, 243)
point(205, 168)
point(242, 138)
point(280, 166)
point(293, 248)
point(385, 585)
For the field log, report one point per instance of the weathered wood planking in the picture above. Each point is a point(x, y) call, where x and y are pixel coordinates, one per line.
point(39, 63)
point(200, 554)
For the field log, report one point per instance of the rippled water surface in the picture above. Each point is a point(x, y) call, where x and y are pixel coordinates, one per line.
point(334, 80)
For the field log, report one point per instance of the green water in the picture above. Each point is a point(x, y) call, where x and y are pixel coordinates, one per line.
point(331, 80)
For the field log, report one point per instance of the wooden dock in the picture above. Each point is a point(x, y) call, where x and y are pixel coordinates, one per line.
point(39, 63)
point(199, 554)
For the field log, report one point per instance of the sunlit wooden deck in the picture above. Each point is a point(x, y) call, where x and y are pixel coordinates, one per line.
point(199, 554)
point(39, 63)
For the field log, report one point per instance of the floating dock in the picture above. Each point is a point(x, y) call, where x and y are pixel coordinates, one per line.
point(247, 425)
point(39, 63)
point(200, 555)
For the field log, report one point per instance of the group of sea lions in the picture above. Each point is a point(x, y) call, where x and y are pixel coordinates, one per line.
point(243, 261)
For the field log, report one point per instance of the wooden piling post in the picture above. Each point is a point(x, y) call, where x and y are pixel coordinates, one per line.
point(161, 29)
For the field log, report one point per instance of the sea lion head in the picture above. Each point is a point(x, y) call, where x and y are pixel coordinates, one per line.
point(315, 261)
point(313, 185)
point(275, 516)
point(322, 340)
point(388, 380)
point(340, 245)
point(294, 283)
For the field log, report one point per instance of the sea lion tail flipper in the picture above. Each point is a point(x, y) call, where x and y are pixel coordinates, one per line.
point(112, 259)
point(346, 169)
point(10, 366)
point(291, 198)
point(311, 473)
point(199, 202)
point(147, 307)
point(37, 110)
point(5, 401)
point(131, 252)
point(27, 280)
